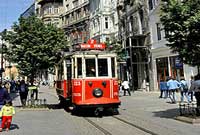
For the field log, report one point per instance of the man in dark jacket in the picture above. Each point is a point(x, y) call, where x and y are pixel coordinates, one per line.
point(3, 95)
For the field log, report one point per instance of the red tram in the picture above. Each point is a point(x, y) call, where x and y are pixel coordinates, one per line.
point(88, 78)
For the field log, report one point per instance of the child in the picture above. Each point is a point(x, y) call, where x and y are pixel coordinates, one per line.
point(7, 112)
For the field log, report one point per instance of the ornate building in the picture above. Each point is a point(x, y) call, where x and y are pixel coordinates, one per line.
point(75, 21)
point(103, 20)
point(135, 38)
point(49, 11)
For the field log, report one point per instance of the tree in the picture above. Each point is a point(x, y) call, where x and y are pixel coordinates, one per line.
point(181, 21)
point(33, 45)
point(116, 47)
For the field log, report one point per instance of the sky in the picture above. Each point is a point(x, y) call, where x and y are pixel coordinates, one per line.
point(10, 11)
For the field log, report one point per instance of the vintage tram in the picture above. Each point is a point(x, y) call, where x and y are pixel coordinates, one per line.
point(87, 78)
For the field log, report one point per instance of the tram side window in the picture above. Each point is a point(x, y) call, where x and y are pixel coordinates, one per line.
point(90, 67)
point(103, 67)
point(60, 72)
point(113, 66)
point(79, 67)
point(69, 69)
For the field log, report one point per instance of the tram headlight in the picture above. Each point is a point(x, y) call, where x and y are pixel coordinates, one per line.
point(97, 92)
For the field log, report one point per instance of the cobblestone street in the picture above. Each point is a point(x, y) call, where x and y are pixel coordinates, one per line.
point(143, 112)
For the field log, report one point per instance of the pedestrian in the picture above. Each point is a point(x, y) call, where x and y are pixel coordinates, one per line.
point(195, 86)
point(184, 90)
point(7, 112)
point(7, 86)
point(163, 88)
point(17, 86)
point(4, 95)
point(125, 87)
point(12, 85)
point(191, 92)
point(33, 89)
point(23, 92)
point(172, 85)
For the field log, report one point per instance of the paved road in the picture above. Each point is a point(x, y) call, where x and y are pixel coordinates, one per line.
point(143, 109)
point(53, 121)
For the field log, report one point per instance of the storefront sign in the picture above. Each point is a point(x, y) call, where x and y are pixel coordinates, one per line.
point(178, 63)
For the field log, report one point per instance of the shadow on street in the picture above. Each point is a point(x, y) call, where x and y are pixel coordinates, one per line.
point(14, 126)
point(170, 113)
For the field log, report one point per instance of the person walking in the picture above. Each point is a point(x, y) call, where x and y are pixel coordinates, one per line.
point(163, 89)
point(172, 86)
point(33, 89)
point(23, 92)
point(7, 86)
point(195, 86)
point(7, 112)
point(191, 92)
point(125, 87)
point(184, 90)
point(4, 95)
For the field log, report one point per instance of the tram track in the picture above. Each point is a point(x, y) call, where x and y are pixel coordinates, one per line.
point(136, 126)
point(107, 132)
point(104, 131)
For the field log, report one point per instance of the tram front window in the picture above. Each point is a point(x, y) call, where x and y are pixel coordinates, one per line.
point(103, 67)
point(90, 68)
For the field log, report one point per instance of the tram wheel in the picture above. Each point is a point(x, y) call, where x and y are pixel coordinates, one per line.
point(98, 112)
point(115, 111)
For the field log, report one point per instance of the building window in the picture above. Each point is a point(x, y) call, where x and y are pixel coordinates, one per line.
point(106, 22)
point(150, 4)
point(158, 26)
point(67, 7)
point(75, 3)
point(56, 10)
point(50, 11)
point(107, 39)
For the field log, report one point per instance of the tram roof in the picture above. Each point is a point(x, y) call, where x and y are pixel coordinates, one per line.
point(90, 52)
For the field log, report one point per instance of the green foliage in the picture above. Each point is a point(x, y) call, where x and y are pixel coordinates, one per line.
point(181, 21)
point(116, 47)
point(34, 45)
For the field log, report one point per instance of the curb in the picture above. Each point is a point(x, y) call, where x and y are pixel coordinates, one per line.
point(189, 120)
point(33, 109)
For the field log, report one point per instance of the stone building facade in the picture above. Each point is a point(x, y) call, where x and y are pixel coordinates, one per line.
point(135, 38)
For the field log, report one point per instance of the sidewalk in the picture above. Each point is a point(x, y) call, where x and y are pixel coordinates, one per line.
point(44, 93)
point(149, 111)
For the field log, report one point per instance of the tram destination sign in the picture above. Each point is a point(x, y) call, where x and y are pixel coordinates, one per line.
point(91, 45)
point(100, 46)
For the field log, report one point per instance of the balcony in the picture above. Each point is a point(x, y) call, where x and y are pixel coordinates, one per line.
point(44, 16)
point(74, 22)
point(47, 1)
point(76, 8)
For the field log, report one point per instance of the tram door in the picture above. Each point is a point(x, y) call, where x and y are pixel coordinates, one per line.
point(69, 76)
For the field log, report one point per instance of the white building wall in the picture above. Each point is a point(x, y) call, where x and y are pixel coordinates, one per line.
point(99, 10)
